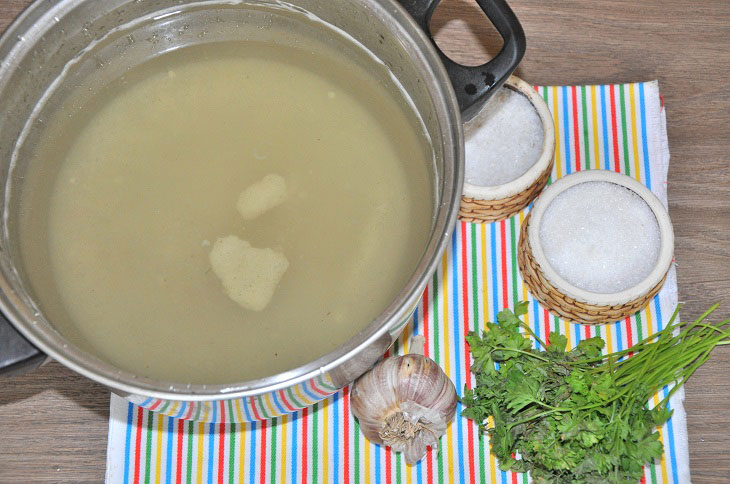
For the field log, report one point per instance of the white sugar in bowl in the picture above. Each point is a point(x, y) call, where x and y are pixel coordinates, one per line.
point(510, 150)
point(596, 247)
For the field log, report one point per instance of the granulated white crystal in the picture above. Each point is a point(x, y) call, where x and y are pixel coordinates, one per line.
point(503, 141)
point(600, 236)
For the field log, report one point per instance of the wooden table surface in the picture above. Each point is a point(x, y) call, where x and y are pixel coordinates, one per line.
point(53, 423)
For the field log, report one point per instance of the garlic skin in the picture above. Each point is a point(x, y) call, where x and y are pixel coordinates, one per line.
point(404, 402)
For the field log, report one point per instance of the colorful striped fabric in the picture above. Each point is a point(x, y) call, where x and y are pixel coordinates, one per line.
point(615, 127)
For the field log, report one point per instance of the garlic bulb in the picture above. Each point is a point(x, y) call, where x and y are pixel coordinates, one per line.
point(405, 402)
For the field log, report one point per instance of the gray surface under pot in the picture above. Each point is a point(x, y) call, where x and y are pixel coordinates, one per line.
point(34, 52)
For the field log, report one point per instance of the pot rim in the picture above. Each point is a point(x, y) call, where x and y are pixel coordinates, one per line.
point(17, 41)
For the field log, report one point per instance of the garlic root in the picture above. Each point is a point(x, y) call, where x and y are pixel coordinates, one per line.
point(405, 402)
point(418, 345)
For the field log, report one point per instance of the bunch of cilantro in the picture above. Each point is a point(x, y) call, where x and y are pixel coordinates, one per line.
point(579, 416)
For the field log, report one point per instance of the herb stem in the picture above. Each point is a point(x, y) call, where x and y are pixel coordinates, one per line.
point(526, 353)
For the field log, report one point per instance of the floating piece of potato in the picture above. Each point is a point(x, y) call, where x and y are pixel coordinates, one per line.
point(249, 275)
point(262, 196)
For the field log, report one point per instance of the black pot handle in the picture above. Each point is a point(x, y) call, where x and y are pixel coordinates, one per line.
point(475, 85)
point(17, 355)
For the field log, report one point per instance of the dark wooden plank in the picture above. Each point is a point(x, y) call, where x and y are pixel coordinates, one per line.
point(53, 423)
point(9, 9)
point(53, 427)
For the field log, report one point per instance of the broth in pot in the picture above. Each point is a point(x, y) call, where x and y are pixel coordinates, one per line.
point(228, 210)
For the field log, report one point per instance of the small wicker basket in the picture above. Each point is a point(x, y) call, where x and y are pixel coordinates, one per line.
point(481, 204)
point(575, 304)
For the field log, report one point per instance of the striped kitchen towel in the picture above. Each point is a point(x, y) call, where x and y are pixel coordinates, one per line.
point(615, 127)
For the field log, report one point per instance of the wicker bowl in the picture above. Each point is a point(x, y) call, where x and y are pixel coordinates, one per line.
point(576, 304)
point(492, 203)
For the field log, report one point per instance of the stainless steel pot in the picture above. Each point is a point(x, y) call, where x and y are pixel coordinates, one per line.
point(49, 36)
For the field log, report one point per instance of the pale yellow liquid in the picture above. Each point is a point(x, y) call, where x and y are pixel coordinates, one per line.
point(150, 172)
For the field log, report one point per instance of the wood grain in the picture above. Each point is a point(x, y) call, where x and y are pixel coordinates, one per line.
point(53, 423)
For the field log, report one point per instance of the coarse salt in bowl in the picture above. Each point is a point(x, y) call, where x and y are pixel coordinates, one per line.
point(510, 148)
point(596, 247)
